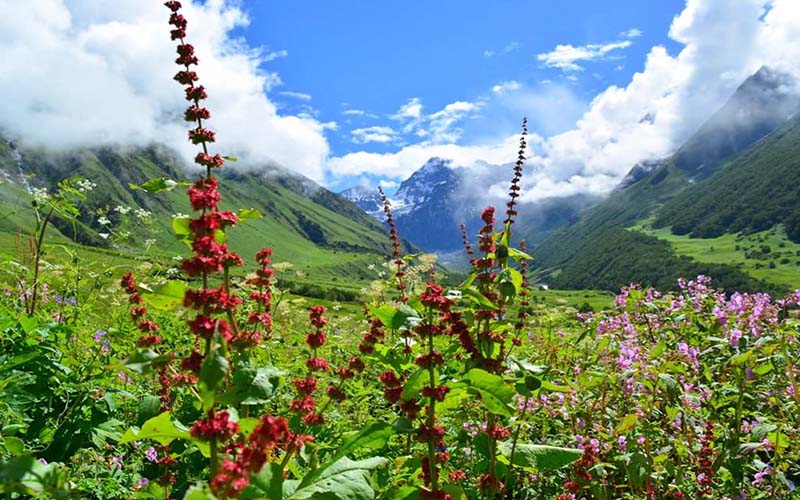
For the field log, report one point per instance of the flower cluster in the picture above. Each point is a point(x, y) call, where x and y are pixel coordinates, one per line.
point(139, 313)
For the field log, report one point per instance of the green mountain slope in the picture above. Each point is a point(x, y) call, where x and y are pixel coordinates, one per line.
point(600, 251)
point(327, 239)
point(755, 192)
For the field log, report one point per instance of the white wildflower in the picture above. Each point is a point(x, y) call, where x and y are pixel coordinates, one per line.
point(85, 185)
point(103, 221)
point(122, 210)
point(40, 195)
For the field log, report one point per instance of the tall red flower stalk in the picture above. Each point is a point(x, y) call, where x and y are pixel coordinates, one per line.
point(397, 257)
point(211, 255)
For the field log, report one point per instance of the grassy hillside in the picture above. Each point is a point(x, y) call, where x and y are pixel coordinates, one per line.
point(329, 241)
point(768, 255)
point(755, 192)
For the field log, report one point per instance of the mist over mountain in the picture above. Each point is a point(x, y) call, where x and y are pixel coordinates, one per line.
point(748, 138)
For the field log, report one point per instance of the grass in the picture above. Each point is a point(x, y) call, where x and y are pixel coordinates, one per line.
point(768, 255)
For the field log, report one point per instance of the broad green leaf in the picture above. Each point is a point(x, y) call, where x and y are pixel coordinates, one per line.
point(149, 407)
point(198, 492)
point(496, 394)
point(267, 484)
point(212, 372)
point(540, 457)
point(160, 429)
point(373, 436)
point(158, 185)
point(180, 225)
point(415, 383)
point(344, 480)
point(166, 296)
point(474, 295)
point(251, 385)
point(249, 213)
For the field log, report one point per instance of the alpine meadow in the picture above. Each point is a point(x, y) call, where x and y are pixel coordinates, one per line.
point(580, 283)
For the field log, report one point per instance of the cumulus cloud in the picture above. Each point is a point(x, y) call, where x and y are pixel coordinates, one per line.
point(373, 134)
point(503, 87)
point(566, 57)
point(723, 42)
point(83, 72)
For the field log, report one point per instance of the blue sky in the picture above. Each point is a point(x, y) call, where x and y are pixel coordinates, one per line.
point(352, 91)
point(374, 56)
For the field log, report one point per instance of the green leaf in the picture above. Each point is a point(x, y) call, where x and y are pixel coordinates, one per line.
point(198, 492)
point(414, 384)
point(212, 372)
point(249, 213)
point(474, 295)
point(142, 361)
point(518, 255)
point(160, 429)
point(180, 225)
point(496, 394)
point(372, 436)
point(540, 457)
point(549, 386)
point(149, 407)
point(15, 469)
point(251, 385)
point(166, 296)
point(266, 484)
point(344, 480)
point(29, 324)
point(230, 158)
point(158, 185)
point(110, 430)
point(627, 424)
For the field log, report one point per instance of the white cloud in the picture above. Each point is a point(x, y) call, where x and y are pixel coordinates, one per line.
point(295, 95)
point(565, 57)
point(403, 163)
point(83, 72)
point(271, 56)
point(373, 134)
point(354, 112)
point(410, 110)
point(503, 87)
point(632, 33)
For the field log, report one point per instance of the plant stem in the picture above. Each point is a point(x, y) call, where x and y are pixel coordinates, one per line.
point(37, 260)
